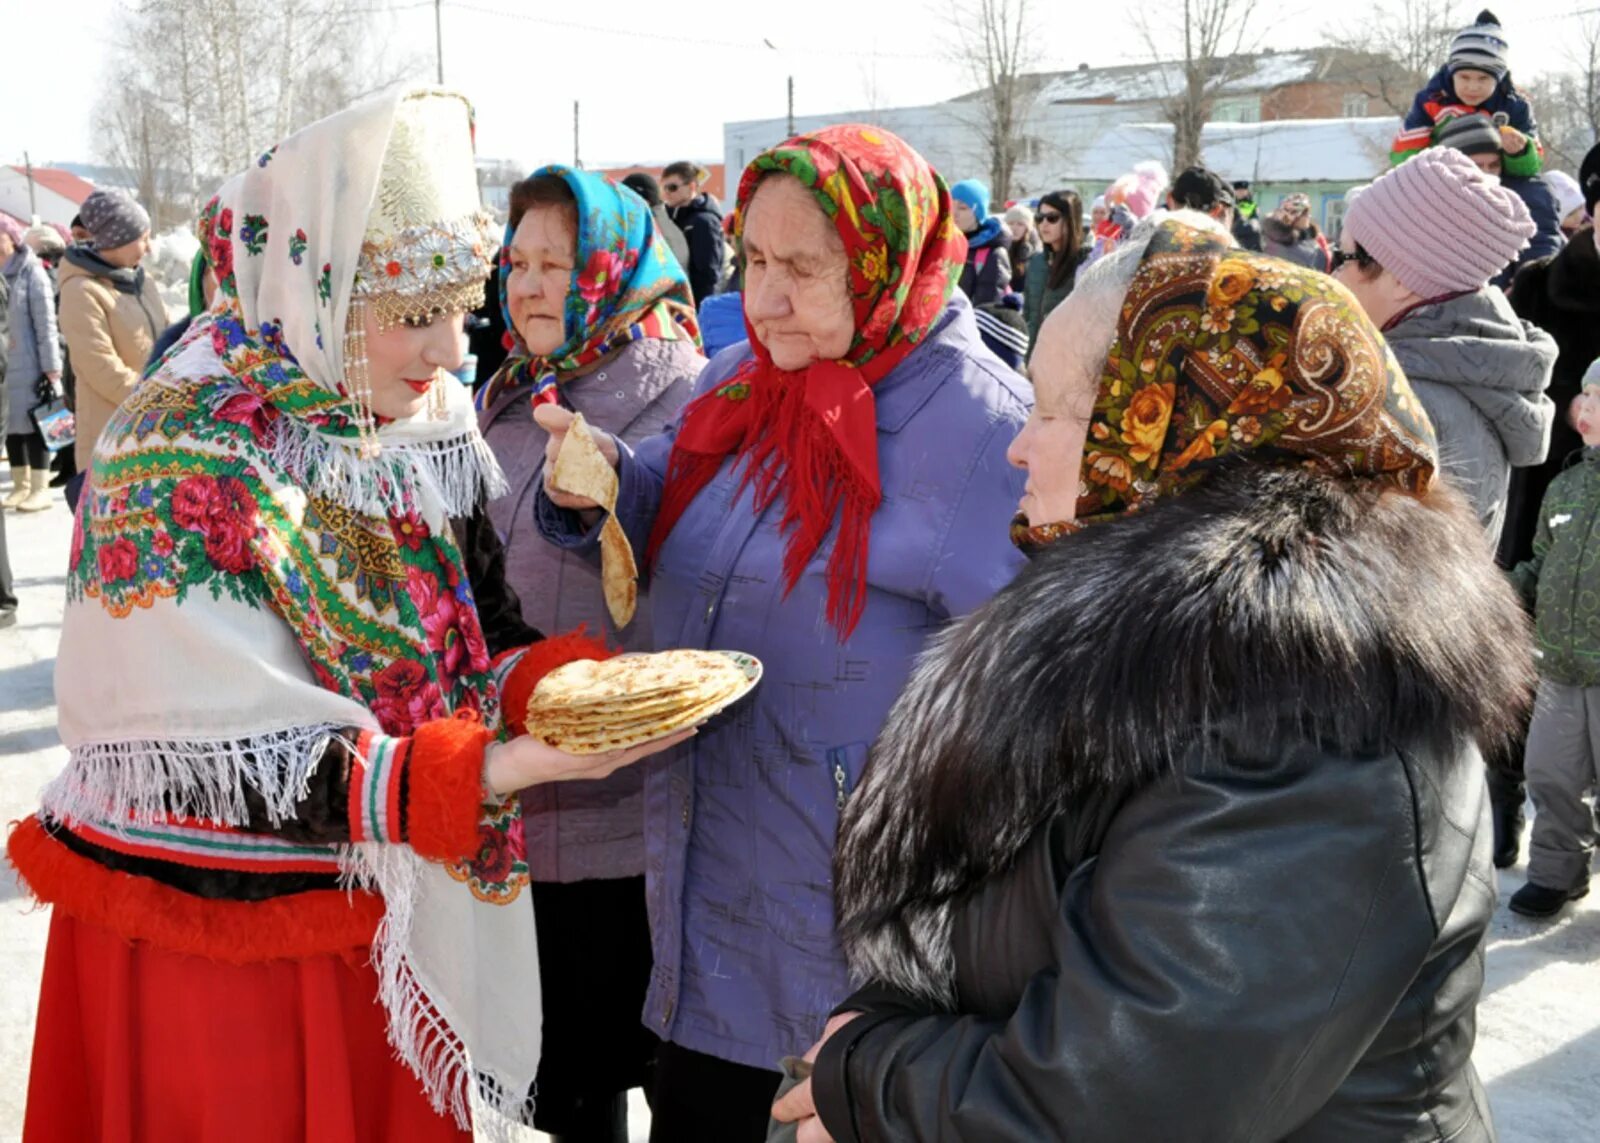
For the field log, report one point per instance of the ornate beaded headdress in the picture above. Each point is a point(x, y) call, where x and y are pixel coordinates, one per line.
point(427, 241)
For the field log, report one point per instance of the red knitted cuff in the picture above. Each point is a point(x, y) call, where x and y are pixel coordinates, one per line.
point(535, 662)
point(444, 777)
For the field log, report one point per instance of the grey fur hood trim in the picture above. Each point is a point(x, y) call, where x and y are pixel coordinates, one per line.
point(1267, 606)
point(1477, 346)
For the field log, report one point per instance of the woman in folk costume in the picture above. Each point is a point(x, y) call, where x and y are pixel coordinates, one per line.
point(286, 797)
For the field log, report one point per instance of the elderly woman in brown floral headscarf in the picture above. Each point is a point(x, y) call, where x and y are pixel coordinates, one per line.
point(1183, 835)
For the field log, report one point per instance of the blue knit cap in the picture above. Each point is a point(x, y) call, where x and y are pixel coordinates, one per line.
point(974, 193)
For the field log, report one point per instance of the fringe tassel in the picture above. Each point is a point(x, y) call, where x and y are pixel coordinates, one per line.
point(146, 780)
point(420, 1036)
point(458, 471)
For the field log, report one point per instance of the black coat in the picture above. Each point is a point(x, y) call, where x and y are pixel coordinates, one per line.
point(986, 278)
point(1184, 835)
point(700, 219)
point(1561, 295)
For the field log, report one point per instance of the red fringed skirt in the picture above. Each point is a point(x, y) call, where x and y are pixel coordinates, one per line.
point(138, 1045)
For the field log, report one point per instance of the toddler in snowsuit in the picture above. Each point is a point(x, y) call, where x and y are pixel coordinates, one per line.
point(1475, 80)
point(1562, 583)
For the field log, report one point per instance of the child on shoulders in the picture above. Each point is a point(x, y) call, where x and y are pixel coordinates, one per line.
point(1475, 80)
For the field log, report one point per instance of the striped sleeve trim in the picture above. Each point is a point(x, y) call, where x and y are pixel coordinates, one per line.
point(377, 788)
point(1414, 140)
point(504, 664)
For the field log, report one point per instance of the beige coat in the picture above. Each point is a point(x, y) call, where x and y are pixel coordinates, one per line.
point(109, 334)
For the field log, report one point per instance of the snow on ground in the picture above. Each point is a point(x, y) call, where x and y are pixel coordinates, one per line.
point(1538, 1025)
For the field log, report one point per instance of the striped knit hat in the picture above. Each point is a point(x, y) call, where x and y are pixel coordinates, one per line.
point(1438, 224)
point(1470, 134)
point(1481, 47)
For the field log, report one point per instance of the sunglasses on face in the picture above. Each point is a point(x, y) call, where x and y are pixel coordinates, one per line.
point(672, 188)
point(1359, 256)
point(1046, 216)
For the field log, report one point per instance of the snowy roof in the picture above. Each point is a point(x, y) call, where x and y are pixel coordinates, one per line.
point(1283, 151)
point(1138, 83)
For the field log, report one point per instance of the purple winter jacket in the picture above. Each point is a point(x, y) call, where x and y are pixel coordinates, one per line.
point(740, 821)
point(577, 831)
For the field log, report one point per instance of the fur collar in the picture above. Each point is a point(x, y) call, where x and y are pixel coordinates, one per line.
point(1273, 604)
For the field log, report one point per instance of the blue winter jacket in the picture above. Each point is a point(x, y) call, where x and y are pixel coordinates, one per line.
point(1540, 200)
point(740, 822)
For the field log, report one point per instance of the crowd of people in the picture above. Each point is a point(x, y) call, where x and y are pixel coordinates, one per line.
point(1143, 588)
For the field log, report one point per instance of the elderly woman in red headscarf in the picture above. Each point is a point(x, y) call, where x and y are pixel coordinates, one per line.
point(835, 493)
point(1184, 835)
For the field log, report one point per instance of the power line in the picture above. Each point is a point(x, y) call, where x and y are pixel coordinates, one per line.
point(667, 37)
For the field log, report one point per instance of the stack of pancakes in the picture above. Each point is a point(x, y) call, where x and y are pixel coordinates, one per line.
point(592, 706)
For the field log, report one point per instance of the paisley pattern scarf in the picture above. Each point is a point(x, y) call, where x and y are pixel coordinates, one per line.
point(809, 436)
point(1222, 354)
point(626, 286)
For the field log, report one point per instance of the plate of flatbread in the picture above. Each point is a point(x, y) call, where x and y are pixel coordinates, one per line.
point(592, 706)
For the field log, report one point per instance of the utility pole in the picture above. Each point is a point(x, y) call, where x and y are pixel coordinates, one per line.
point(791, 107)
point(577, 155)
point(438, 37)
point(33, 209)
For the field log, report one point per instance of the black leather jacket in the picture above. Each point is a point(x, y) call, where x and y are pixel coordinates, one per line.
point(1092, 1015)
point(1271, 936)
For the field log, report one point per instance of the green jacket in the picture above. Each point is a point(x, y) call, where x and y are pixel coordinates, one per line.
point(1562, 580)
point(1038, 299)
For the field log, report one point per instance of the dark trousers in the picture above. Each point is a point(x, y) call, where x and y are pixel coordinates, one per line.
point(26, 450)
point(8, 598)
point(75, 490)
point(594, 966)
point(696, 1098)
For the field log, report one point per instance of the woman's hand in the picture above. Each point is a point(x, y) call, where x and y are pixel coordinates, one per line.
point(555, 420)
point(798, 1106)
point(526, 761)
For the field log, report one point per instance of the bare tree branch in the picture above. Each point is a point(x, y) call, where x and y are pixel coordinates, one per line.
point(1393, 49)
point(210, 84)
point(1215, 38)
point(992, 42)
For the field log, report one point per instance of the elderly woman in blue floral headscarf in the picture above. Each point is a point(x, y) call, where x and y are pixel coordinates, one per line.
point(601, 322)
point(282, 856)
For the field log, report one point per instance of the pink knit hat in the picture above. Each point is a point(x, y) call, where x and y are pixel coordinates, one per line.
point(1439, 224)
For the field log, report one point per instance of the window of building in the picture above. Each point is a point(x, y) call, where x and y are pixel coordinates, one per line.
point(1334, 210)
point(1355, 106)
point(1245, 109)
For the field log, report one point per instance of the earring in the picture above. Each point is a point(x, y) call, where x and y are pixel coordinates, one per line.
point(358, 380)
point(439, 396)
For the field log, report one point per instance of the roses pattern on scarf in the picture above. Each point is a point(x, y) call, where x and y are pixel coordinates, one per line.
point(810, 435)
point(626, 286)
point(380, 604)
point(1222, 353)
